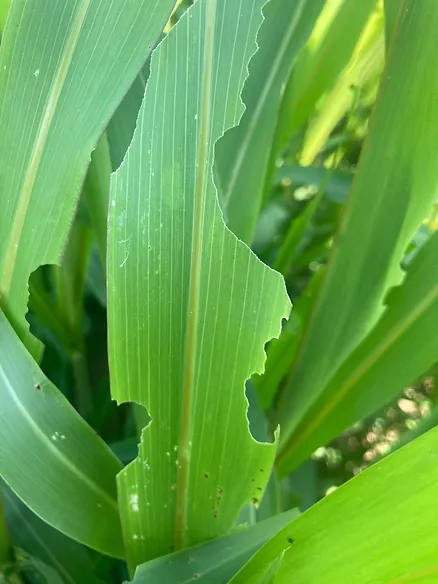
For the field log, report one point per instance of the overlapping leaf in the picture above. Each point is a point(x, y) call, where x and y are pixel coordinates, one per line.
point(394, 187)
point(325, 55)
point(213, 562)
point(190, 307)
point(71, 561)
point(243, 153)
point(50, 457)
point(401, 347)
point(389, 512)
point(64, 67)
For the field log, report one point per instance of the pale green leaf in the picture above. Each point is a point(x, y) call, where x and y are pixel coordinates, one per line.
point(190, 307)
point(4, 8)
point(212, 562)
point(365, 64)
point(243, 153)
point(64, 67)
point(50, 457)
point(394, 187)
point(380, 527)
point(324, 57)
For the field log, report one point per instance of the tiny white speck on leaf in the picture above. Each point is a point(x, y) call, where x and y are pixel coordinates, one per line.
point(133, 501)
point(37, 72)
point(113, 203)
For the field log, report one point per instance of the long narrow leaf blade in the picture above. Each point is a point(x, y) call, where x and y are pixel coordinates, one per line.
point(64, 67)
point(50, 457)
point(212, 562)
point(243, 153)
point(401, 347)
point(71, 561)
point(394, 188)
point(190, 307)
point(389, 511)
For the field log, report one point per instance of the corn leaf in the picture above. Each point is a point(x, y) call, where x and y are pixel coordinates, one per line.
point(64, 67)
point(4, 8)
point(213, 562)
point(392, 8)
point(391, 545)
point(96, 191)
point(189, 306)
point(325, 55)
point(393, 190)
point(365, 64)
point(387, 360)
point(50, 457)
point(243, 153)
point(72, 562)
point(121, 128)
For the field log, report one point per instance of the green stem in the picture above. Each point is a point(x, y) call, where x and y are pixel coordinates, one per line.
point(82, 384)
point(5, 545)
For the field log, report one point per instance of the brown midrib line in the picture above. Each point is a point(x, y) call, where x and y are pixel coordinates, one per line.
point(346, 387)
point(38, 150)
point(194, 285)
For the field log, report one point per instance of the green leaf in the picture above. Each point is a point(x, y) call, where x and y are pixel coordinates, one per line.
point(387, 360)
point(362, 532)
point(189, 306)
point(213, 562)
point(50, 457)
point(243, 153)
point(336, 183)
point(281, 352)
point(393, 190)
point(71, 561)
point(365, 65)
point(122, 125)
point(324, 57)
point(64, 67)
point(4, 9)
point(392, 9)
point(96, 190)
point(5, 544)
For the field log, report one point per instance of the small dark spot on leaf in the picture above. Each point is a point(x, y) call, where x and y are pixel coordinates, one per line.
point(196, 576)
point(290, 540)
point(255, 500)
point(261, 470)
point(220, 490)
point(215, 514)
point(206, 475)
point(218, 499)
point(172, 548)
point(37, 386)
point(253, 480)
point(259, 489)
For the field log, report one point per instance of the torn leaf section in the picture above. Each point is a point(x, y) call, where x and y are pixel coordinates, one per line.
point(154, 252)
